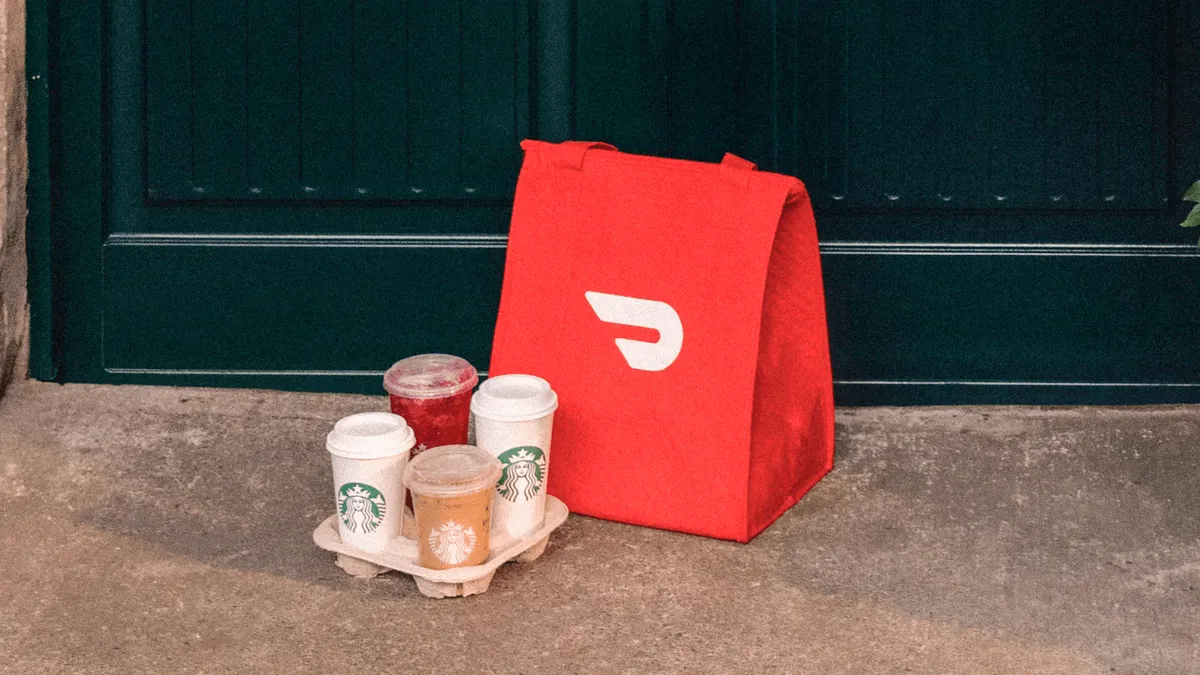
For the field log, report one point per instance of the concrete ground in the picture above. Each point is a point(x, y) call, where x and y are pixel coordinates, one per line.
point(159, 530)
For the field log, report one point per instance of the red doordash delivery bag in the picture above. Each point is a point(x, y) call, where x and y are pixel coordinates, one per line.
point(677, 309)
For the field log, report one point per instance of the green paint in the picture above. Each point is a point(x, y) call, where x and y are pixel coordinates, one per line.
point(252, 197)
point(43, 361)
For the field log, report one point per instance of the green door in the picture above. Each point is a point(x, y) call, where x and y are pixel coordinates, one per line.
point(295, 194)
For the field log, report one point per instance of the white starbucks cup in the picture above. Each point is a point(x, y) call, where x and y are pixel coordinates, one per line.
point(513, 416)
point(369, 452)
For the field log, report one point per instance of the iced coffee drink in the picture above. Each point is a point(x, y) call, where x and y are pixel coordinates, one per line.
point(452, 489)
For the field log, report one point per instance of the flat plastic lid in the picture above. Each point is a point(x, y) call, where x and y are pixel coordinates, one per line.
point(514, 398)
point(451, 470)
point(430, 376)
point(370, 435)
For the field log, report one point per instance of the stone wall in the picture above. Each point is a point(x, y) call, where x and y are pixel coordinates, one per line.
point(14, 306)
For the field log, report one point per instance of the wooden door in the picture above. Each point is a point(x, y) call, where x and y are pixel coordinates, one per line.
point(294, 194)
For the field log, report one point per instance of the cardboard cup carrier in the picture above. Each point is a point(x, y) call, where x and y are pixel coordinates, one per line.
point(453, 488)
point(513, 416)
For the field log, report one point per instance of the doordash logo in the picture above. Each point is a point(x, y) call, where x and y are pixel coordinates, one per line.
point(659, 316)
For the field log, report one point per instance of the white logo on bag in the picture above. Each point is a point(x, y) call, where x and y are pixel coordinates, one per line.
point(660, 316)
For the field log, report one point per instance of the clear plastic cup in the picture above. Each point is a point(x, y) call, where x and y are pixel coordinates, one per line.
point(433, 393)
point(452, 489)
point(369, 452)
point(514, 415)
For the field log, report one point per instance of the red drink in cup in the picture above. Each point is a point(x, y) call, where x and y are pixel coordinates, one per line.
point(432, 392)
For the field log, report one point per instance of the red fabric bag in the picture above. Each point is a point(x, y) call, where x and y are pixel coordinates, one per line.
point(677, 309)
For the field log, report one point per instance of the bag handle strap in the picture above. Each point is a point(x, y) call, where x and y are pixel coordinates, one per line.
point(734, 162)
point(569, 154)
point(737, 170)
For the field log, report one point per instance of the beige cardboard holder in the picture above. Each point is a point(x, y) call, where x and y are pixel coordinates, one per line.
point(401, 555)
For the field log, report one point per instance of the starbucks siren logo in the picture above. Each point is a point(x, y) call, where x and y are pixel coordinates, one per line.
point(361, 507)
point(523, 475)
point(452, 543)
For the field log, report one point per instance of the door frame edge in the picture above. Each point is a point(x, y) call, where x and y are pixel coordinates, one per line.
point(44, 355)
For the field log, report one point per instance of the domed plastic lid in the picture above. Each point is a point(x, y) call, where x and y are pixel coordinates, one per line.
point(430, 376)
point(370, 435)
point(514, 398)
point(451, 470)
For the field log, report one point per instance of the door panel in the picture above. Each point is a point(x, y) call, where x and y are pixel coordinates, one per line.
point(296, 194)
point(658, 78)
point(303, 192)
point(259, 309)
point(315, 101)
point(1009, 314)
point(1012, 106)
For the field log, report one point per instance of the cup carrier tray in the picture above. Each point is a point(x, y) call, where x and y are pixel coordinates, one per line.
point(401, 555)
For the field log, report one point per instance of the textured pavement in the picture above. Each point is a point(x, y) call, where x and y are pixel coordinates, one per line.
point(161, 530)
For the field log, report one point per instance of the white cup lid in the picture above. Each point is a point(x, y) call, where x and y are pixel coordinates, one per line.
point(514, 398)
point(370, 435)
